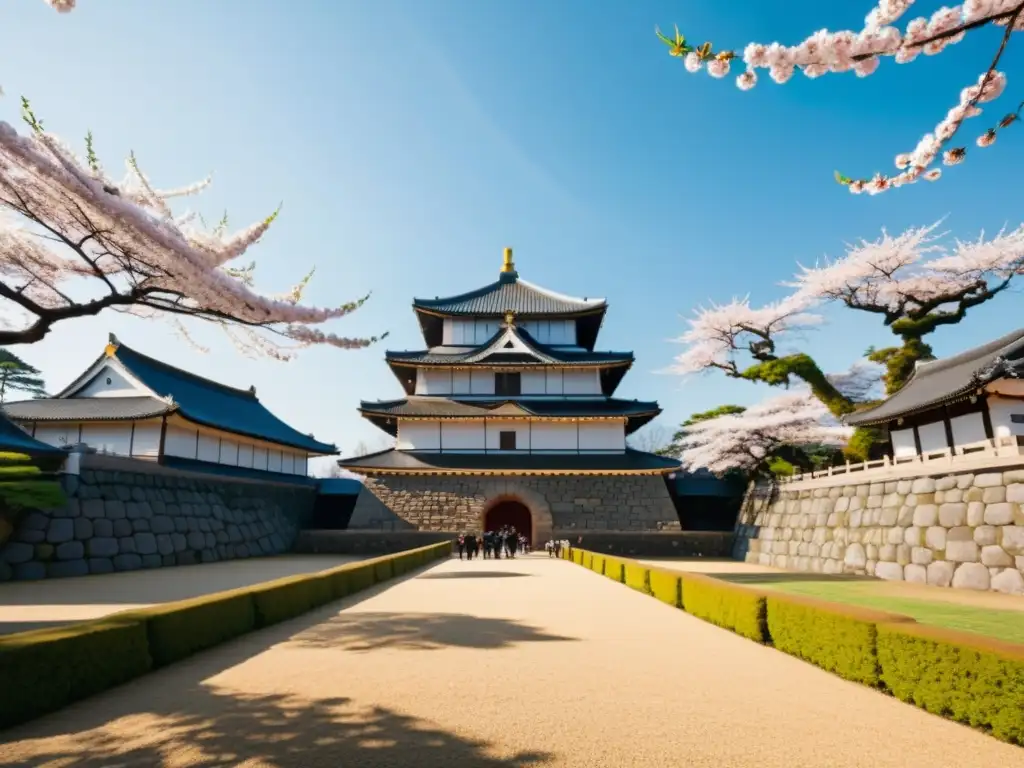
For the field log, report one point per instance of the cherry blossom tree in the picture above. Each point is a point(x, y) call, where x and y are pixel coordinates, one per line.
point(79, 243)
point(861, 52)
point(917, 282)
point(750, 439)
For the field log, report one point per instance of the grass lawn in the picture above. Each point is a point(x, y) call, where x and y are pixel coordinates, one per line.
point(1005, 625)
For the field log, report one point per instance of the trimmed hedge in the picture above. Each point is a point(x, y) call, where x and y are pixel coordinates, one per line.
point(613, 568)
point(838, 638)
point(46, 669)
point(969, 678)
point(666, 586)
point(597, 564)
point(726, 605)
point(588, 560)
point(635, 577)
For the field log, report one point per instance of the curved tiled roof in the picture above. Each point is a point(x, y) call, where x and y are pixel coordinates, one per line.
point(443, 407)
point(509, 293)
point(14, 439)
point(942, 381)
point(399, 461)
point(87, 408)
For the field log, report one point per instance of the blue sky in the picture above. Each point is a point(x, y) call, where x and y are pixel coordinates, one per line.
point(411, 140)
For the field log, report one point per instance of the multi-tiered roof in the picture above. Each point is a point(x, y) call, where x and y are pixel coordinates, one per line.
point(514, 306)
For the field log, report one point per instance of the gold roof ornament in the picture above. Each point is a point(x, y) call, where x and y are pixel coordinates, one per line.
point(112, 344)
point(510, 318)
point(508, 265)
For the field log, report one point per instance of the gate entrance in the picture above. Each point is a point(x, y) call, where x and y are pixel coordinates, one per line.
point(513, 513)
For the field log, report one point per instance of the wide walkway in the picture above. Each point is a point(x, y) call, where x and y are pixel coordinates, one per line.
point(26, 605)
point(485, 664)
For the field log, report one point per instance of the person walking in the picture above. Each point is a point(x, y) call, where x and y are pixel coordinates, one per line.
point(461, 544)
point(471, 546)
point(488, 544)
point(512, 542)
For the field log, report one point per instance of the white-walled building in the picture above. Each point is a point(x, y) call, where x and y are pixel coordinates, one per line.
point(508, 386)
point(129, 404)
point(973, 401)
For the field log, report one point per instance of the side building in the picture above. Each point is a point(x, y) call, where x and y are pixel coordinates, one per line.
point(509, 418)
point(969, 403)
point(129, 404)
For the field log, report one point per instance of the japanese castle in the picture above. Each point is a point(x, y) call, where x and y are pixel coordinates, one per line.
point(509, 418)
point(129, 404)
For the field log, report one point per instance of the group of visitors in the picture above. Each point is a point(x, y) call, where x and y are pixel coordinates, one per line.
point(505, 540)
point(555, 547)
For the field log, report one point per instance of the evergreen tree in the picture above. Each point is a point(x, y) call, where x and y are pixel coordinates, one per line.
point(18, 376)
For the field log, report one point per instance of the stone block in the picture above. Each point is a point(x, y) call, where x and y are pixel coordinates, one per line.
point(70, 550)
point(964, 481)
point(29, 571)
point(60, 529)
point(140, 524)
point(988, 480)
point(44, 552)
point(196, 540)
point(17, 552)
point(913, 536)
point(974, 494)
point(35, 521)
point(945, 483)
point(152, 560)
point(122, 528)
point(1009, 581)
point(923, 485)
point(162, 524)
point(145, 543)
point(903, 487)
point(994, 556)
point(188, 557)
point(975, 513)
point(28, 536)
point(66, 568)
point(940, 573)
point(128, 562)
point(960, 546)
point(83, 528)
point(1015, 493)
point(887, 516)
point(113, 509)
point(902, 554)
point(164, 545)
point(925, 515)
point(207, 556)
point(138, 509)
point(915, 574)
point(889, 571)
point(920, 556)
point(1012, 539)
point(101, 565)
point(935, 537)
point(994, 495)
point(179, 541)
point(103, 528)
point(127, 544)
point(93, 508)
point(101, 547)
point(972, 575)
point(952, 515)
point(855, 556)
point(999, 514)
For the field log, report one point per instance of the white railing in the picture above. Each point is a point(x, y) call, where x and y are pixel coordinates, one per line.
point(995, 452)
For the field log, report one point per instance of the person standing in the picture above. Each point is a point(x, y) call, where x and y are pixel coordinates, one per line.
point(461, 544)
point(497, 542)
point(512, 542)
point(488, 544)
point(471, 546)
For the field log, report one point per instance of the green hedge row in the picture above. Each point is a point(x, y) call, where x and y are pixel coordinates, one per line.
point(46, 669)
point(965, 677)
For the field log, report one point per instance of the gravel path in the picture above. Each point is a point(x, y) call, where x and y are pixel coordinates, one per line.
point(484, 664)
point(29, 605)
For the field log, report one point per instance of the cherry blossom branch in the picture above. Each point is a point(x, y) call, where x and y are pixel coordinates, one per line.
point(860, 52)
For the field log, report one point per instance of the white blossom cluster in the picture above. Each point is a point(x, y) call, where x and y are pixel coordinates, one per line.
point(61, 6)
point(745, 440)
point(75, 226)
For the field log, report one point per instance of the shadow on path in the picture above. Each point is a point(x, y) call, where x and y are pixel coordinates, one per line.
point(223, 728)
point(476, 575)
point(418, 632)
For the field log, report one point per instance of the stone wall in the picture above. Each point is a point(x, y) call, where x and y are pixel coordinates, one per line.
point(959, 529)
point(563, 502)
point(124, 514)
point(680, 544)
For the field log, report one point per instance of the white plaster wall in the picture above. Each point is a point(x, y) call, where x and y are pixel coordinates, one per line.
point(217, 449)
point(180, 442)
point(228, 452)
point(554, 385)
point(581, 383)
point(260, 459)
point(1000, 410)
point(146, 441)
point(554, 436)
point(245, 455)
point(468, 332)
point(967, 429)
point(903, 443)
point(533, 382)
point(418, 435)
point(551, 331)
point(933, 437)
point(495, 428)
point(57, 435)
point(119, 385)
point(460, 382)
point(108, 438)
point(481, 382)
point(273, 460)
point(433, 381)
point(462, 436)
point(209, 448)
point(602, 436)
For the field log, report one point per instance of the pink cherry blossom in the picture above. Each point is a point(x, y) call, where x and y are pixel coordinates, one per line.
point(718, 68)
point(987, 139)
point(693, 62)
point(747, 80)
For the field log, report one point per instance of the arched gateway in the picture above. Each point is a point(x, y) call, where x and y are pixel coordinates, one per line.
point(510, 513)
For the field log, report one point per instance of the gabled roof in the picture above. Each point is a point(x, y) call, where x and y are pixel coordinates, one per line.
point(13, 439)
point(525, 350)
point(88, 409)
point(200, 400)
point(393, 460)
point(510, 293)
point(945, 381)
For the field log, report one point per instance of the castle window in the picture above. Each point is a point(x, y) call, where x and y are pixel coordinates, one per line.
point(1017, 418)
point(508, 383)
point(507, 441)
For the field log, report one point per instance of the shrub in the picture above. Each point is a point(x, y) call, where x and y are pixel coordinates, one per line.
point(577, 556)
point(635, 577)
point(281, 599)
point(46, 669)
point(597, 564)
point(740, 609)
point(969, 678)
point(838, 638)
point(588, 560)
point(666, 586)
point(613, 568)
point(361, 576)
point(177, 630)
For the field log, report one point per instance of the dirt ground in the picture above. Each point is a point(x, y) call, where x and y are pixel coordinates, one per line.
point(34, 604)
point(497, 663)
point(882, 587)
